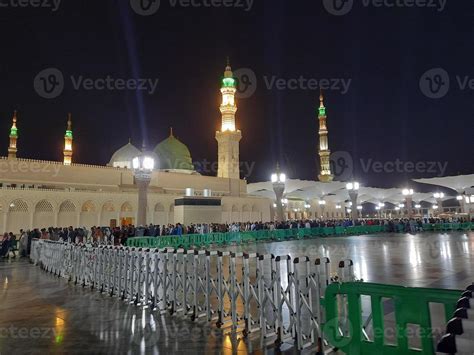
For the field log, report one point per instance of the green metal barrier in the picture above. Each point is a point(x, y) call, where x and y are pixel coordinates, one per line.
point(205, 240)
point(344, 327)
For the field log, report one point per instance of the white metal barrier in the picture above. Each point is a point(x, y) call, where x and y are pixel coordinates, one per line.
point(277, 296)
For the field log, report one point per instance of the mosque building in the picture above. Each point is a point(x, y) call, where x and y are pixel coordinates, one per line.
point(40, 194)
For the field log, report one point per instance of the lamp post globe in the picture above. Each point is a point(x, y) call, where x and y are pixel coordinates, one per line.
point(278, 181)
point(143, 166)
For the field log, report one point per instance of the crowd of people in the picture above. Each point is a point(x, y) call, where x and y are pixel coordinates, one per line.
point(119, 235)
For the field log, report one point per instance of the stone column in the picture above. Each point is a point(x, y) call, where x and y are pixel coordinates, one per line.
point(409, 202)
point(142, 200)
point(279, 188)
point(354, 211)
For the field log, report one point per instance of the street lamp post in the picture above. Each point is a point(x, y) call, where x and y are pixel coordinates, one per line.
point(408, 193)
point(278, 181)
point(143, 166)
point(353, 188)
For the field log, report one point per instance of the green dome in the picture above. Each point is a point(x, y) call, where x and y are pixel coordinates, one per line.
point(173, 155)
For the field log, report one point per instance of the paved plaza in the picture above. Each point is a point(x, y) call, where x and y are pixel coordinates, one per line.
point(41, 313)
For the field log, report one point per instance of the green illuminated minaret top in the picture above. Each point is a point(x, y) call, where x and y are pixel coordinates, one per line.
point(228, 81)
point(14, 129)
point(69, 126)
point(322, 109)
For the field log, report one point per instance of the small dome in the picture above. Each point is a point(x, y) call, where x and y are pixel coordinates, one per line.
point(174, 155)
point(123, 157)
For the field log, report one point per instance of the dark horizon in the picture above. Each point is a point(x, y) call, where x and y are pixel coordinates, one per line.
point(384, 53)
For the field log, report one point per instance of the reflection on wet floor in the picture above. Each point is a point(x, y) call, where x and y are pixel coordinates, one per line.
point(43, 314)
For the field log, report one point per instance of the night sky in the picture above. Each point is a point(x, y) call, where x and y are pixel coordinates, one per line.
point(383, 51)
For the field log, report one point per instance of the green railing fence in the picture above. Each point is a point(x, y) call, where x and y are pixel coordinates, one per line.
point(409, 310)
point(205, 240)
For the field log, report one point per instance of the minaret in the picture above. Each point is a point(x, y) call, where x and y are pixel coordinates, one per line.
point(68, 142)
point(12, 149)
point(229, 137)
point(324, 152)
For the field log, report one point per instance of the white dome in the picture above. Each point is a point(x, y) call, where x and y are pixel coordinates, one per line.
point(123, 157)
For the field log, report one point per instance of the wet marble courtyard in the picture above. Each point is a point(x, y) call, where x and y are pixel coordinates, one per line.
point(41, 313)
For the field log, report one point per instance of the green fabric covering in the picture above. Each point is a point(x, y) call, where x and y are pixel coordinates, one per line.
point(173, 155)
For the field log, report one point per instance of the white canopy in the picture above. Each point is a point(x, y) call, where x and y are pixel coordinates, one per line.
point(457, 183)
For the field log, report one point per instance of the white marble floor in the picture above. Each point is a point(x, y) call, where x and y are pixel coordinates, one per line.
point(40, 313)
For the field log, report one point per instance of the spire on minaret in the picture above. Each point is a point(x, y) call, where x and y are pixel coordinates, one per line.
point(68, 138)
point(324, 152)
point(12, 148)
point(69, 122)
point(229, 136)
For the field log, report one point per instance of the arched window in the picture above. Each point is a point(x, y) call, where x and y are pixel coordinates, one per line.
point(108, 207)
point(67, 206)
point(88, 206)
point(126, 207)
point(44, 206)
point(18, 206)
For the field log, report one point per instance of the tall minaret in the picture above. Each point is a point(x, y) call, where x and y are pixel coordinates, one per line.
point(68, 142)
point(12, 149)
point(229, 137)
point(324, 152)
